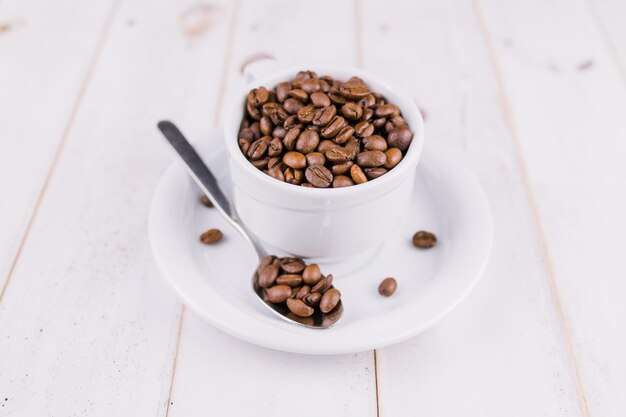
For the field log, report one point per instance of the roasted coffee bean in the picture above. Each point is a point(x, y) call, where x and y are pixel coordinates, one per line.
point(338, 155)
point(354, 146)
point(206, 201)
point(311, 274)
point(253, 112)
point(311, 85)
point(258, 96)
point(290, 138)
point(370, 159)
point(355, 92)
point(247, 134)
point(363, 129)
point(276, 173)
point(260, 163)
point(373, 173)
point(211, 236)
point(289, 279)
point(367, 101)
point(334, 127)
point(307, 141)
point(307, 185)
point(306, 114)
point(258, 149)
point(276, 162)
point(292, 106)
point(299, 308)
point(315, 158)
point(400, 137)
point(329, 300)
point(293, 176)
point(342, 181)
point(387, 287)
point(394, 156)
point(268, 109)
point(324, 115)
point(244, 145)
point(387, 110)
point(267, 276)
point(313, 299)
point(375, 143)
point(344, 135)
point(324, 284)
point(368, 114)
point(337, 98)
point(395, 121)
point(299, 95)
point(292, 122)
point(303, 292)
point(325, 145)
point(278, 293)
point(265, 262)
point(424, 240)
point(341, 169)
point(324, 86)
point(275, 148)
point(266, 125)
point(296, 160)
point(319, 176)
point(282, 91)
point(352, 111)
point(279, 132)
point(379, 123)
point(292, 265)
point(320, 99)
point(357, 175)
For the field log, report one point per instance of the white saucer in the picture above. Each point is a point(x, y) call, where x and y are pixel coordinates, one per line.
point(215, 281)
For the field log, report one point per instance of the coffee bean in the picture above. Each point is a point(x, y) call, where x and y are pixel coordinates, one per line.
point(363, 129)
point(295, 160)
point(320, 99)
point(260, 163)
point(289, 279)
point(258, 149)
point(276, 173)
point(387, 287)
point(373, 173)
point(292, 122)
point(267, 276)
point(368, 114)
point(266, 125)
point(354, 146)
point(307, 141)
point(282, 91)
point(206, 201)
point(342, 181)
point(352, 111)
point(375, 143)
point(344, 135)
point(323, 284)
point(340, 169)
point(306, 114)
point(299, 308)
point(370, 159)
point(275, 148)
point(319, 176)
point(311, 274)
point(293, 176)
point(424, 240)
point(329, 300)
point(334, 127)
point(299, 95)
point(387, 110)
point(338, 155)
point(211, 236)
point(303, 292)
point(315, 158)
point(356, 92)
point(324, 115)
point(268, 260)
point(394, 122)
point(379, 122)
point(258, 96)
point(394, 156)
point(290, 138)
point(357, 174)
point(247, 134)
point(253, 112)
point(278, 293)
point(276, 162)
point(292, 106)
point(337, 98)
point(311, 85)
point(279, 132)
point(367, 101)
point(313, 299)
point(325, 145)
point(400, 138)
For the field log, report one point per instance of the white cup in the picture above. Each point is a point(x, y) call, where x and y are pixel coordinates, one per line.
point(328, 224)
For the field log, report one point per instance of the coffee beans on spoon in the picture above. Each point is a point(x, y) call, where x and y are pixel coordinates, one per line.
point(302, 289)
point(320, 132)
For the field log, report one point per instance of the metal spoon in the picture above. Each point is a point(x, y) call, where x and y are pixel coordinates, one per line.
point(208, 184)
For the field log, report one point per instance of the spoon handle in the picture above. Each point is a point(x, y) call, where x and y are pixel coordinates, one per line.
point(207, 182)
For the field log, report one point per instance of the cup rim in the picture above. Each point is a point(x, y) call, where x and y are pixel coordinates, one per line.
point(282, 73)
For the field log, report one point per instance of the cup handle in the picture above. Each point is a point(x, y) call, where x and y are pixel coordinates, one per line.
point(258, 67)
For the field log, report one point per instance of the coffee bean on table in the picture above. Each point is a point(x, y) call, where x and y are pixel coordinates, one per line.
point(211, 236)
point(387, 287)
point(424, 240)
point(206, 201)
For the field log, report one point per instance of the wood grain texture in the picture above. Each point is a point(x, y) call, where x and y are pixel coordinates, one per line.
point(571, 125)
point(86, 327)
point(218, 374)
point(502, 352)
point(46, 57)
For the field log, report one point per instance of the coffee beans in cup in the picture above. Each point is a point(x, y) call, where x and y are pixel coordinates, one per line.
point(321, 132)
point(301, 290)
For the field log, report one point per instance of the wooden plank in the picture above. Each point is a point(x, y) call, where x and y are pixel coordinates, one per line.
point(45, 56)
point(568, 101)
point(218, 373)
point(502, 351)
point(86, 327)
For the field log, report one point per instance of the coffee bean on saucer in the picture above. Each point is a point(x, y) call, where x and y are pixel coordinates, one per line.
point(206, 201)
point(424, 240)
point(387, 287)
point(211, 236)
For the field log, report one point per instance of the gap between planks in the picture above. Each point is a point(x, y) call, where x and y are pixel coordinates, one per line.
point(510, 120)
point(218, 110)
point(64, 135)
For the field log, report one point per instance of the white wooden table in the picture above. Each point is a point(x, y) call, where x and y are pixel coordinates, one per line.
point(533, 93)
